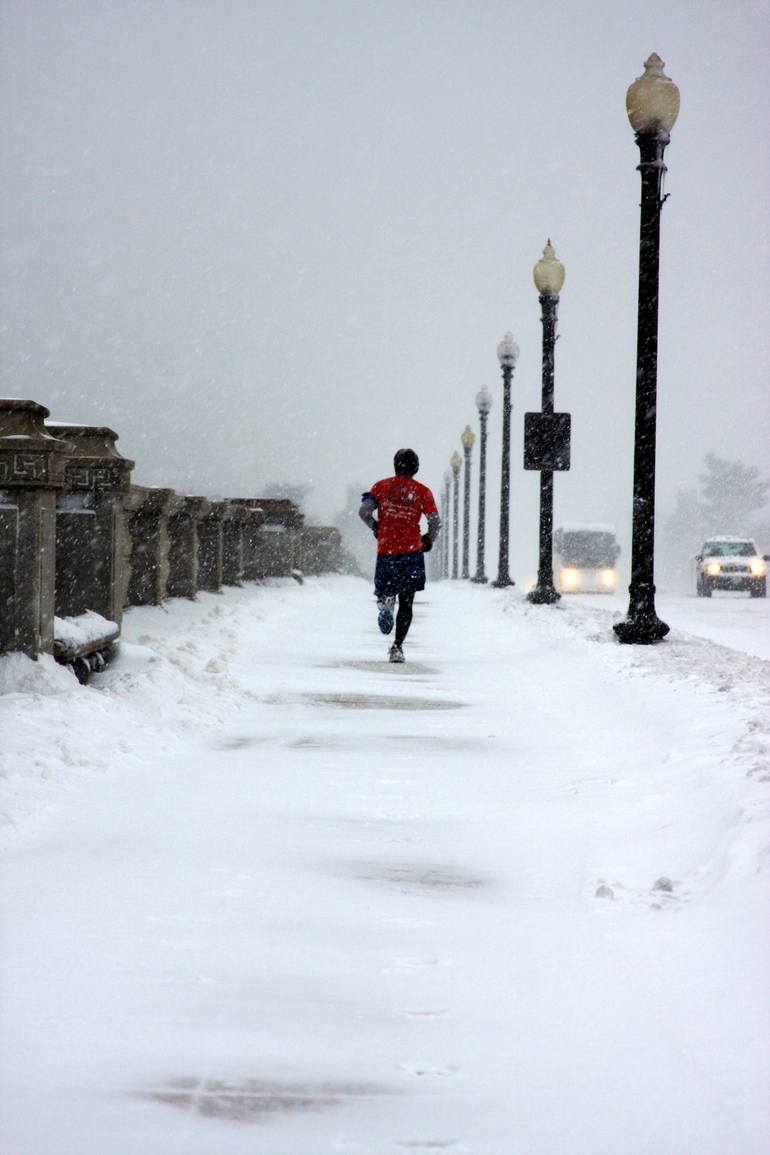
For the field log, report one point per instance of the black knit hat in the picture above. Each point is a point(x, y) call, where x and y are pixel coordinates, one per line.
point(406, 462)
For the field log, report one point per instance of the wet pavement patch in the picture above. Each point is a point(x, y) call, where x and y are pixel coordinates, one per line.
point(237, 741)
point(319, 742)
point(421, 1145)
point(253, 1100)
point(436, 741)
point(424, 877)
point(364, 701)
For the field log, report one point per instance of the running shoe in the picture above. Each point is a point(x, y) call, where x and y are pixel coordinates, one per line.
point(396, 654)
point(385, 616)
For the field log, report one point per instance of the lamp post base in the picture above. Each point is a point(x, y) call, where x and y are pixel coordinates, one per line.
point(503, 582)
point(641, 631)
point(642, 626)
point(543, 596)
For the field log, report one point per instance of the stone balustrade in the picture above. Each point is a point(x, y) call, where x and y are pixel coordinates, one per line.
point(278, 544)
point(92, 546)
point(321, 550)
point(32, 464)
point(232, 544)
point(148, 508)
point(79, 542)
point(210, 552)
point(252, 520)
point(184, 517)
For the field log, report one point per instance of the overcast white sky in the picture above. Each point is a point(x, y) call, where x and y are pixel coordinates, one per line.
point(277, 240)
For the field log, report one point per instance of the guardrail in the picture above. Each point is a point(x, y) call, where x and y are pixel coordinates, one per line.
point(79, 542)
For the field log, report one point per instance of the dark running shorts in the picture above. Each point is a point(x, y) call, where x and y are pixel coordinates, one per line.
point(397, 573)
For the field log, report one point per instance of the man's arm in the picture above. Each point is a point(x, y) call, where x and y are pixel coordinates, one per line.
point(434, 528)
point(366, 511)
point(434, 525)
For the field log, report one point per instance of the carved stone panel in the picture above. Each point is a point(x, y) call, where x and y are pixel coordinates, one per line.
point(29, 455)
point(80, 475)
point(20, 468)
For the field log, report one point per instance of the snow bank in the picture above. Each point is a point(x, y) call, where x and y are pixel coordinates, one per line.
point(167, 684)
point(21, 675)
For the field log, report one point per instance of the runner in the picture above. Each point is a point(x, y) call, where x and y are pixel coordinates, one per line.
point(400, 502)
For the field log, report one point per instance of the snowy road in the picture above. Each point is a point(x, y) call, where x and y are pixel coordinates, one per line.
point(263, 894)
point(732, 619)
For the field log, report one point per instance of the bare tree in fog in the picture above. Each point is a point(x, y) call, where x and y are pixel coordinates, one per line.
point(732, 494)
point(729, 499)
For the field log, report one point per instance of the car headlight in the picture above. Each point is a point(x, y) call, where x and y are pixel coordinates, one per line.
point(570, 578)
point(758, 567)
point(607, 578)
point(713, 567)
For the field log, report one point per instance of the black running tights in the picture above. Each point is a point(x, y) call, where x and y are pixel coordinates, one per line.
point(404, 616)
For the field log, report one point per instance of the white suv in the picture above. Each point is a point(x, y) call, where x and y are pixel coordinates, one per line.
point(730, 563)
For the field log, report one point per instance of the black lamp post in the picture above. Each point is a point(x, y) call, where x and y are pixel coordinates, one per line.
point(467, 437)
point(652, 103)
point(549, 278)
point(507, 355)
point(455, 461)
point(445, 520)
point(483, 404)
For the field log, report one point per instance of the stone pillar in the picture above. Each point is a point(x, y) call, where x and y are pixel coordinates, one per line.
point(321, 550)
point(183, 545)
point(253, 517)
point(277, 553)
point(92, 544)
point(31, 473)
point(232, 544)
point(147, 511)
point(210, 547)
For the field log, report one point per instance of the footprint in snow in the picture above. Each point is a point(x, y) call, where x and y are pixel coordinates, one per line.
point(420, 1070)
point(427, 1146)
point(660, 896)
point(404, 966)
point(438, 1013)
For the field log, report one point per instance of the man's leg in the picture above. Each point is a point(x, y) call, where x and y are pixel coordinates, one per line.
point(404, 616)
point(385, 614)
point(385, 601)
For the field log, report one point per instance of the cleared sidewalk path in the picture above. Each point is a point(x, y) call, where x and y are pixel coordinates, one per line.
point(507, 899)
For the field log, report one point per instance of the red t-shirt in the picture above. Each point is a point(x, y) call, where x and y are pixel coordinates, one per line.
point(401, 501)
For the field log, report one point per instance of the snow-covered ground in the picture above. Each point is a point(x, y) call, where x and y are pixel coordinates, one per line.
point(264, 894)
